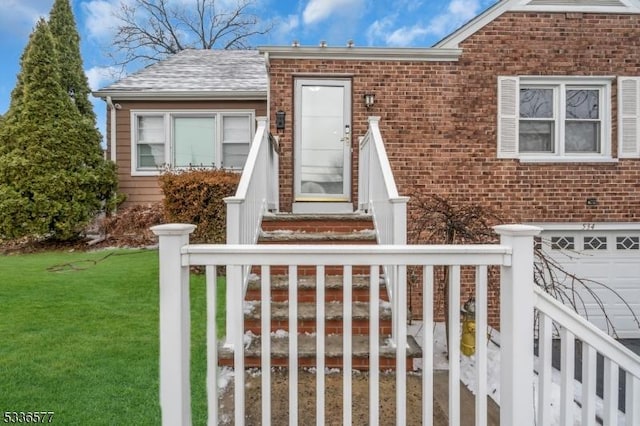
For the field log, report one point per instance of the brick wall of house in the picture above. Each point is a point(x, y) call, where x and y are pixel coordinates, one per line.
point(438, 120)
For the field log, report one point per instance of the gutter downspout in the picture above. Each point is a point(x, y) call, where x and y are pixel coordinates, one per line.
point(112, 128)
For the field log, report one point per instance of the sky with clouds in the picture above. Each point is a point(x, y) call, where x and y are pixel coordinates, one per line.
point(398, 23)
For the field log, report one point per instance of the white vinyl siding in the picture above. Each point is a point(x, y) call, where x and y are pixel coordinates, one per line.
point(179, 139)
point(629, 117)
point(554, 118)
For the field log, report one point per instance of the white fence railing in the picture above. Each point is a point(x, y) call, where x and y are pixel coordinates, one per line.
point(377, 192)
point(378, 195)
point(257, 189)
point(514, 256)
point(555, 319)
point(257, 192)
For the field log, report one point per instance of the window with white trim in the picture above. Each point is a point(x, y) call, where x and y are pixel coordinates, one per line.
point(219, 139)
point(554, 119)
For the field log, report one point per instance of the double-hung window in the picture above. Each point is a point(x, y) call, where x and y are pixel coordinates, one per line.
point(554, 119)
point(218, 139)
point(150, 141)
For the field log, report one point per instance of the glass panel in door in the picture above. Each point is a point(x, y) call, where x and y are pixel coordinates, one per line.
point(323, 141)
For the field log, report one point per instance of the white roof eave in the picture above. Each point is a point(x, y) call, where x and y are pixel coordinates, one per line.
point(181, 95)
point(362, 53)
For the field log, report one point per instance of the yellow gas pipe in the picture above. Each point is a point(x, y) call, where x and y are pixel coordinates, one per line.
point(468, 338)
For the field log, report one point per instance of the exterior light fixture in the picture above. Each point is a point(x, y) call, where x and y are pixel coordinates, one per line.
point(369, 99)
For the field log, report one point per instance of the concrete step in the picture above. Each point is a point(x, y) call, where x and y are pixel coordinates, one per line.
point(333, 352)
point(317, 223)
point(306, 322)
point(317, 229)
point(324, 238)
point(307, 288)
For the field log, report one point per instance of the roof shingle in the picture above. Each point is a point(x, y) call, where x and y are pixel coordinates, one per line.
point(198, 71)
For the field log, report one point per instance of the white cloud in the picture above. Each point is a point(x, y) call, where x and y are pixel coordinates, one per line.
point(319, 10)
point(100, 22)
point(284, 28)
point(18, 17)
point(99, 77)
point(406, 35)
point(379, 29)
point(456, 14)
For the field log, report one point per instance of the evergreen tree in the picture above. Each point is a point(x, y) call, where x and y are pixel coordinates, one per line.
point(67, 42)
point(53, 178)
point(15, 106)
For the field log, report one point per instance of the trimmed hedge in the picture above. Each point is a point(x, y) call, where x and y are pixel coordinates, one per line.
point(197, 196)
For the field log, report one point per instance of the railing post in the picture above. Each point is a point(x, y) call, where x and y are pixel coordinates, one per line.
point(175, 325)
point(516, 326)
point(363, 174)
point(234, 273)
point(399, 206)
point(399, 275)
point(274, 176)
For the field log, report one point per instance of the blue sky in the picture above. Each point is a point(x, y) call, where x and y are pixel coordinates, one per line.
point(400, 23)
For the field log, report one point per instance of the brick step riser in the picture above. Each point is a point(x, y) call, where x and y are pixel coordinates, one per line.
point(317, 226)
point(358, 363)
point(309, 296)
point(360, 327)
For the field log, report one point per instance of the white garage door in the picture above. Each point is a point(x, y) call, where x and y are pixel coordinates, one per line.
point(610, 262)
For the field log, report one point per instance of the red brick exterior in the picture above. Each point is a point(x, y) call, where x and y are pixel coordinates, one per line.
point(438, 119)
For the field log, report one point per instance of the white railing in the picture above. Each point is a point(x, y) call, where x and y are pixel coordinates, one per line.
point(257, 192)
point(514, 256)
point(257, 189)
point(378, 195)
point(554, 319)
point(377, 192)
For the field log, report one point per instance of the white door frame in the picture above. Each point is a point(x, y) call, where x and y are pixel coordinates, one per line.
point(340, 134)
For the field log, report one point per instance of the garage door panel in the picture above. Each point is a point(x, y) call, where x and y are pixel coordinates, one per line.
point(618, 269)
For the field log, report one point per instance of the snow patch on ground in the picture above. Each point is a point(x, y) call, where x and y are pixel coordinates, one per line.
point(280, 333)
point(468, 374)
point(249, 306)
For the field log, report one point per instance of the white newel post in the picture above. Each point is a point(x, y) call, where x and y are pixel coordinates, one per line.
point(175, 325)
point(399, 275)
point(399, 206)
point(274, 169)
point(516, 326)
point(234, 273)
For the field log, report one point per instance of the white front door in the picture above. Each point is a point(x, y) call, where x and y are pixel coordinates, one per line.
point(322, 156)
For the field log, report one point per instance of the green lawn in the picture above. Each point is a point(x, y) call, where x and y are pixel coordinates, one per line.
point(80, 338)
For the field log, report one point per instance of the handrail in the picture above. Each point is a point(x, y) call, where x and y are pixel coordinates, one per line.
point(257, 191)
point(377, 190)
point(586, 331)
point(378, 194)
point(570, 327)
point(254, 193)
